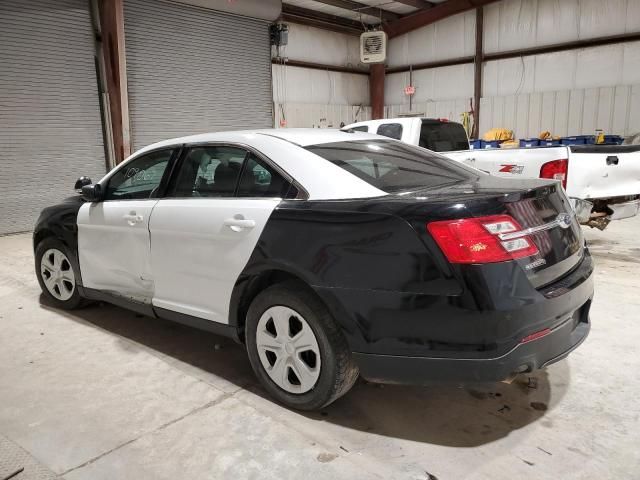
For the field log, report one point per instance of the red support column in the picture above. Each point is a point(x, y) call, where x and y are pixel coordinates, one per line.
point(376, 90)
point(112, 26)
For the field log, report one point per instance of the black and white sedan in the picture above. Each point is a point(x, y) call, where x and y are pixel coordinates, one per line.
point(329, 254)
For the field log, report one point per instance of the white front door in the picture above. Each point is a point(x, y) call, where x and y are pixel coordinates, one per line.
point(113, 234)
point(204, 234)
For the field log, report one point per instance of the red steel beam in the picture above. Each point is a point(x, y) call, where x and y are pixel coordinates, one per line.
point(431, 15)
point(112, 27)
point(477, 71)
point(376, 90)
point(319, 66)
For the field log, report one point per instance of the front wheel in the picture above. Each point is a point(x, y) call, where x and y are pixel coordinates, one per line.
point(296, 348)
point(56, 275)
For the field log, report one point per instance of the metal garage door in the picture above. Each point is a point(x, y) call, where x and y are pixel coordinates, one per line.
point(50, 129)
point(192, 70)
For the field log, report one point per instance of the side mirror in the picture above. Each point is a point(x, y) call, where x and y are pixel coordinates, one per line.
point(81, 182)
point(92, 193)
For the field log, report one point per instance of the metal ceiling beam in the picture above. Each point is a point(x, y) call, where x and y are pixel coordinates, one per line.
point(320, 66)
point(358, 7)
point(431, 15)
point(304, 16)
point(560, 47)
point(490, 57)
point(421, 4)
point(427, 65)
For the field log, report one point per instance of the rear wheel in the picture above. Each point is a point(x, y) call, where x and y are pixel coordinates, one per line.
point(296, 348)
point(56, 275)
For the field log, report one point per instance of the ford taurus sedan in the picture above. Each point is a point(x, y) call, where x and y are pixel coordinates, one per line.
point(329, 255)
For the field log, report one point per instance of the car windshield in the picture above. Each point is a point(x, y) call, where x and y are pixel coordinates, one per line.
point(394, 166)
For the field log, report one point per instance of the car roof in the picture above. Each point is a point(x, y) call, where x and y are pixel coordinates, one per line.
point(285, 147)
point(299, 136)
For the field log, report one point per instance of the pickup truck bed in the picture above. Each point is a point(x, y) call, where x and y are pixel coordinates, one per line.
point(602, 181)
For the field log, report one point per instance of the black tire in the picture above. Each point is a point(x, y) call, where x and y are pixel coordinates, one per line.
point(338, 372)
point(75, 301)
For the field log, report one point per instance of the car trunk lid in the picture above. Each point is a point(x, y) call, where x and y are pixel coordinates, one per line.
point(540, 207)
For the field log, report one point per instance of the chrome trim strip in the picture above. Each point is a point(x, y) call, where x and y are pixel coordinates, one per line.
point(529, 231)
point(540, 228)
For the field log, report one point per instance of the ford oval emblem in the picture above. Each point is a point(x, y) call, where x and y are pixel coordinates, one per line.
point(564, 220)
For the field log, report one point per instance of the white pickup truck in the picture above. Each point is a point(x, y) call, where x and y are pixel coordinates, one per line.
point(602, 181)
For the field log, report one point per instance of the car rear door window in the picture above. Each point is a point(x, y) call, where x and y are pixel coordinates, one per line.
point(140, 178)
point(209, 171)
point(361, 128)
point(259, 179)
point(391, 130)
point(394, 166)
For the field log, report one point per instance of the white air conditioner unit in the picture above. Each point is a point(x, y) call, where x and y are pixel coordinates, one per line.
point(373, 47)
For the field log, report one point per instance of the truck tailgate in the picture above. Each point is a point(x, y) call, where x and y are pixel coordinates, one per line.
point(603, 171)
point(510, 162)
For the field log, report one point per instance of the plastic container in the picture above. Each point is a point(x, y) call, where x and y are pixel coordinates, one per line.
point(580, 140)
point(529, 142)
point(613, 140)
point(475, 144)
point(549, 143)
point(491, 143)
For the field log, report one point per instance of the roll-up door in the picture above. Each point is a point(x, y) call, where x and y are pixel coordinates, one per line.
point(50, 128)
point(193, 70)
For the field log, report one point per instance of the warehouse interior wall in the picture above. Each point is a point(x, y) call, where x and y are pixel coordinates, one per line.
point(571, 92)
point(443, 92)
point(306, 97)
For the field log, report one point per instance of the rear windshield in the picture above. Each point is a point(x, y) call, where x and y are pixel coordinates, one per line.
point(443, 136)
point(393, 166)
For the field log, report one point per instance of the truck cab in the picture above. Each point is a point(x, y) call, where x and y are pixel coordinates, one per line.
point(435, 134)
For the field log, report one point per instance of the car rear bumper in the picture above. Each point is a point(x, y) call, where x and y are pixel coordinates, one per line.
point(524, 357)
point(478, 336)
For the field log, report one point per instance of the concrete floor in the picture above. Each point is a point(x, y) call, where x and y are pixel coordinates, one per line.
point(103, 393)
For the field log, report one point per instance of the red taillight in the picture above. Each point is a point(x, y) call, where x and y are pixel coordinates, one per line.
point(477, 240)
point(556, 170)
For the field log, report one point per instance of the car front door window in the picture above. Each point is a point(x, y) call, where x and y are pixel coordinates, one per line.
point(140, 178)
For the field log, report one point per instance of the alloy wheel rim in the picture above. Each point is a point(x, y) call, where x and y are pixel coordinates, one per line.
point(288, 349)
point(57, 274)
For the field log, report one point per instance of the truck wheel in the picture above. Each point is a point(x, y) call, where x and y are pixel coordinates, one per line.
point(56, 275)
point(296, 349)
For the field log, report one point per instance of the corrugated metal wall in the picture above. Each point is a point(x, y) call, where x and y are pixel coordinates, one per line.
point(569, 93)
point(306, 97)
point(50, 129)
point(192, 70)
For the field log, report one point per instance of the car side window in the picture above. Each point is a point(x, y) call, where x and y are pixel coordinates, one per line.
point(211, 171)
point(391, 130)
point(260, 179)
point(139, 178)
point(361, 128)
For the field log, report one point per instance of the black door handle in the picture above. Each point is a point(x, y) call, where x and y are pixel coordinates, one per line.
point(612, 160)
